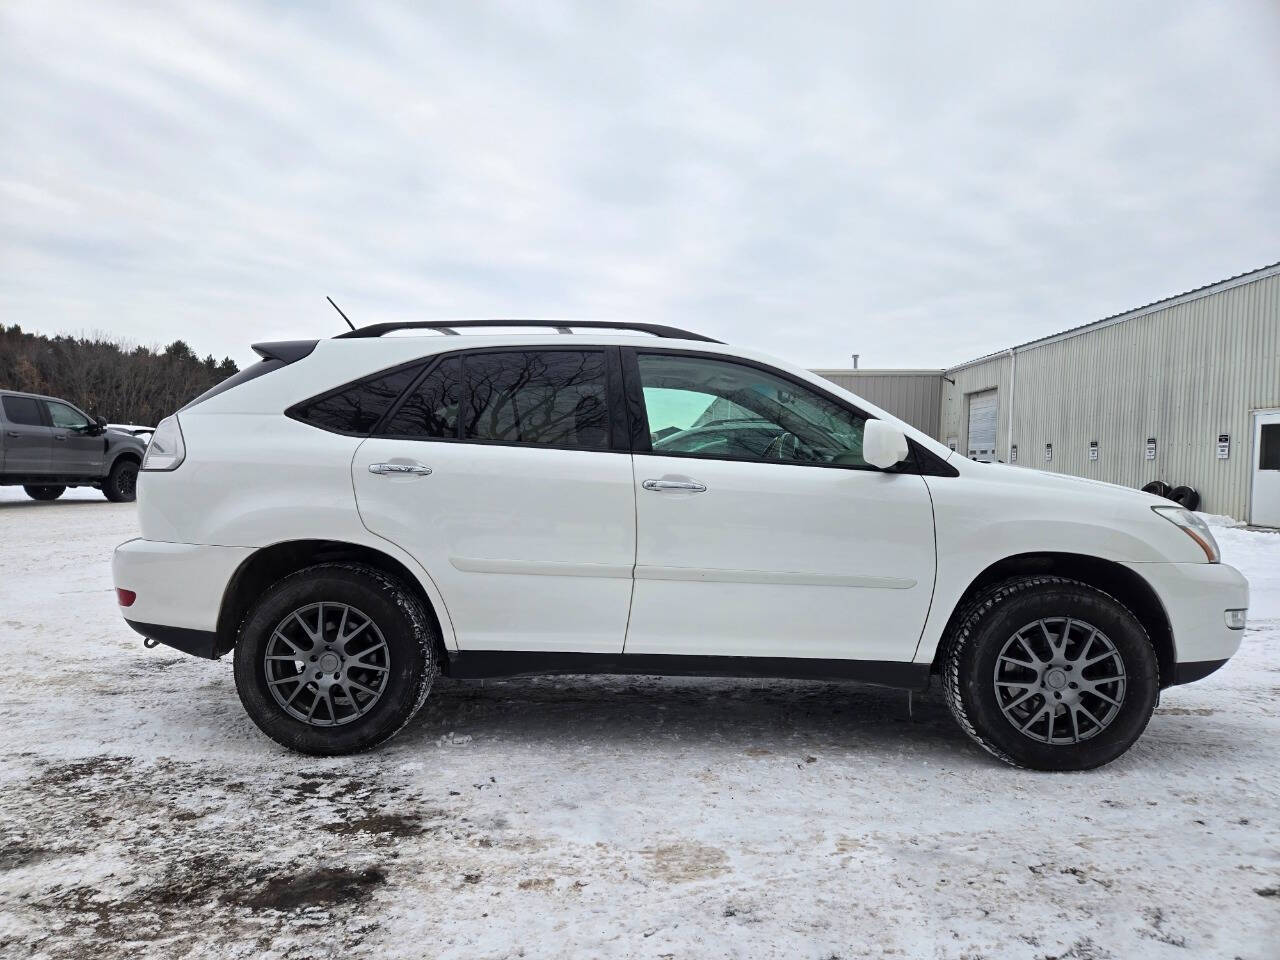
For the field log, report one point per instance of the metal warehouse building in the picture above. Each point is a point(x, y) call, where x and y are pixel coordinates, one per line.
point(1185, 390)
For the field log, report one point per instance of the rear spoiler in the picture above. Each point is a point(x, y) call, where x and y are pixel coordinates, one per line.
point(286, 351)
point(274, 355)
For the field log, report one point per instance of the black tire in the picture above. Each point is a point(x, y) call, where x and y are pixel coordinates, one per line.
point(44, 493)
point(991, 622)
point(121, 485)
point(1185, 497)
point(397, 613)
point(1158, 487)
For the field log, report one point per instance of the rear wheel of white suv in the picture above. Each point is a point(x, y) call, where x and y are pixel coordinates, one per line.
point(1050, 673)
point(335, 659)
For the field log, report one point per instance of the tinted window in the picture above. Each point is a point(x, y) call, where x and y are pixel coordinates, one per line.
point(715, 408)
point(1269, 447)
point(64, 416)
point(358, 407)
point(431, 409)
point(551, 397)
point(22, 410)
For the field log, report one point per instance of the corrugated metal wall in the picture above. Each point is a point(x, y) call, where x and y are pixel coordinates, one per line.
point(911, 395)
point(1183, 374)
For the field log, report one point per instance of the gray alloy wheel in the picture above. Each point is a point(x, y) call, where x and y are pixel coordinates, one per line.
point(1059, 680)
point(327, 664)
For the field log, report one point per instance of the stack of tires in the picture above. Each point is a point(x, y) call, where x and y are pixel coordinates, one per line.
point(1183, 496)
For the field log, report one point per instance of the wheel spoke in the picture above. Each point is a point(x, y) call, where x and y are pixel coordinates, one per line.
point(1027, 647)
point(357, 659)
point(1102, 696)
point(311, 634)
point(361, 687)
point(1084, 651)
point(353, 634)
point(1021, 663)
point(302, 654)
point(1098, 659)
point(1022, 699)
point(1099, 680)
point(1075, 723)
point(1035, 716)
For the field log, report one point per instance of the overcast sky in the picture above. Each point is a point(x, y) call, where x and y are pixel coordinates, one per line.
point(920, 186)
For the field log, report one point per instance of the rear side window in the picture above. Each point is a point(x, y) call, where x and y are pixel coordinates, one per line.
point(22, 410)
point(544, 397)
point(357, 407)
point(430, 411)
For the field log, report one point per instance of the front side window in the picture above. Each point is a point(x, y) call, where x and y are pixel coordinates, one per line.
point(357, 407)
point(65, 417)
point(544, 397)
point(698, 406)
point(22, 410)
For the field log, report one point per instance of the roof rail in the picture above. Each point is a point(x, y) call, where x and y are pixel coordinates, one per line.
point(561, 326)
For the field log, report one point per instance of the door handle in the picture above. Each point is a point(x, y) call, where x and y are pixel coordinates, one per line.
point(690, 486)
point(15, 434)
point(60, 436)
point(400, 469)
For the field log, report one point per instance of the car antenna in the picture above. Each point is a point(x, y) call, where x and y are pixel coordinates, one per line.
point(340, 313)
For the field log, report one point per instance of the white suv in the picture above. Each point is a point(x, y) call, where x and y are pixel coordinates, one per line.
point(352, 516)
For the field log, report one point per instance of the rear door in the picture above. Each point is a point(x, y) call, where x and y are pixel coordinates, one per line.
point(797, 550)
point(27, 436)
point(77, 448)
point(505, 473)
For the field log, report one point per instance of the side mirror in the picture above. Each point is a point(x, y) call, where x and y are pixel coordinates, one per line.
point(883, 444)
point(99, 426)
point(101, 422)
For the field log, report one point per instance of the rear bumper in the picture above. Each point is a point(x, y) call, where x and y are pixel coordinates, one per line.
point(179, 589)
point(198, 643)
point(1196, 597)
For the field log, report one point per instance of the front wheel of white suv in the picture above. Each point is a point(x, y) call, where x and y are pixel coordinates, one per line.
point(1051, 674)
point(335, 659)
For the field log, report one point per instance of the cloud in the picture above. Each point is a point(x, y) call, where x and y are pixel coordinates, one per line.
point(918, 186)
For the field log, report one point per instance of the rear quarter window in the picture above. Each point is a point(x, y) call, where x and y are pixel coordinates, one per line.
point(356, 408)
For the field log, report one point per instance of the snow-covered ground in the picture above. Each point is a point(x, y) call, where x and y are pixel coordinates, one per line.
point(142, 814)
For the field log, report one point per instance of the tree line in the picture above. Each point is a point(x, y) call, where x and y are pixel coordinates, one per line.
point(108, 377)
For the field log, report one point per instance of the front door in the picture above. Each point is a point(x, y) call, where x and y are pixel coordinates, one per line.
point(500, 473)
point(27, 437)
point(1266, 470)
point(761, 530)
point(78, 447)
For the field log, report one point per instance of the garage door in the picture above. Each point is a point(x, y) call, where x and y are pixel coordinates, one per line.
point(982, 425)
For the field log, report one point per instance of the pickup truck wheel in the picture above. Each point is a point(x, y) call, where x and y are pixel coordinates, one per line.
point(1051, 674)
point(121, 485)
point(45, 493)
point(335, 659)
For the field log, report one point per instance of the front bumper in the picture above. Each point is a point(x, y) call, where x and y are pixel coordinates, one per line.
point(1196, 597)
point(179, 589)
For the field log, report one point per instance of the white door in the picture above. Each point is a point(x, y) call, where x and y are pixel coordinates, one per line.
point(761, 531)
point(1266, 470)
point(983, 416)
point(526, 518)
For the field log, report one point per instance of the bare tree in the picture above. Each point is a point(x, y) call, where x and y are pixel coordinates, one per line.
point(108, 377)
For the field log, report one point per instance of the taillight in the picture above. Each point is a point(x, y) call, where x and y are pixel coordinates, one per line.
point(125, 597)
point(166, 451)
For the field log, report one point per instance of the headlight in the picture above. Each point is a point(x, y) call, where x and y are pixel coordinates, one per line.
point(1193, 527)
point(166, 451)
